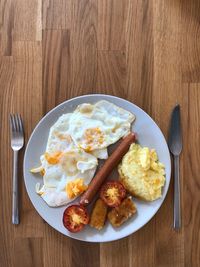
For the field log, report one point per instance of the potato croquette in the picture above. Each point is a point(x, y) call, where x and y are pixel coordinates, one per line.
point(98, 215)
point(117, 216)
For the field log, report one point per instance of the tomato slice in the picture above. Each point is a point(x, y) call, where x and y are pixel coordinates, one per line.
point(75, 217)
point(112, 193)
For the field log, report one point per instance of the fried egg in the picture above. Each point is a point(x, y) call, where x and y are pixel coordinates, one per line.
point(65, 175)
point(60, 137)
point(92, 127)
point(95, 127)
point(75, 142)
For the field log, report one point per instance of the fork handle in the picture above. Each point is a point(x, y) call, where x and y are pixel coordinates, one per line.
point(177, 208)
point(15, 200)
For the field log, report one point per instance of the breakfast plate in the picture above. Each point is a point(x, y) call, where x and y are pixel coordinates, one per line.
point(148, 134)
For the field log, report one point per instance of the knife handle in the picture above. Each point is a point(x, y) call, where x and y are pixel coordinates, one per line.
point(177, 208)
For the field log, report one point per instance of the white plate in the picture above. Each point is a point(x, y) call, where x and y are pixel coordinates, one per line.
point(148, 134)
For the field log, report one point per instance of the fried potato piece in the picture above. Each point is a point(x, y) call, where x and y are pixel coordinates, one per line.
point(98, 215)
point(117, 216)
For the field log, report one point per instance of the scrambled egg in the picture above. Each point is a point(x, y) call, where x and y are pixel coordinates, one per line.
point(141, 173)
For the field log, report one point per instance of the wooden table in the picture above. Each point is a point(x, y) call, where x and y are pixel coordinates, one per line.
point(145, 51)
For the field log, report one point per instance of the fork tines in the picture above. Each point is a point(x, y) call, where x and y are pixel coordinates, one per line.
point(16, 123)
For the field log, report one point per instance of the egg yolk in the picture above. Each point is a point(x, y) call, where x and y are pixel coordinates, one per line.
point(93, 136)
point(75, 188)
point(53, 158)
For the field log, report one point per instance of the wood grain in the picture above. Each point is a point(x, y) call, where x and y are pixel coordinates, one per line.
point(28, 82)
point(140, 60)
point(6, 27)
point(112, 24)
point(28, 252)
point(27, 20)
point(191, 179)
point(145, 51)
point(112, 64)
point(190, 41)
point(56, 14)
point(6, 80)
point(83, 47)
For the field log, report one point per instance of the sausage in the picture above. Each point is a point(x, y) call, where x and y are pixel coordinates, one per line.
point(106, 169)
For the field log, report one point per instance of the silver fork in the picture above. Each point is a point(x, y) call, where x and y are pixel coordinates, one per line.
point(17, 142)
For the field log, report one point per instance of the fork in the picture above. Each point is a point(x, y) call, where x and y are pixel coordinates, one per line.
point(17, 142)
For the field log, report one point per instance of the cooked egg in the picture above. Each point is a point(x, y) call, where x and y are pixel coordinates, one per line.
point(75, 188)
point(141, 173)
point(97, 126)
point(66, 175)
point(75, 142)
point(60, 138)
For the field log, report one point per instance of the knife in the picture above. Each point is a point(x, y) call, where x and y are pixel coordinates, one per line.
point(175, 146)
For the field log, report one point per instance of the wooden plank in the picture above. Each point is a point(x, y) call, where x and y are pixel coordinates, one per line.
point(27, 51)
point(112, 24)
point(167, 17)
point(167, 42)
point(56, 14)
point(191, 184)
point(141, 252)
point(57, 249)
point(27, 20)
point(139, 53)
point(115, 254)
point(28, 252)
point(56, 68)
point(166, 94)
point(85, 254)
point(173, 254)
point(190, 41)
point(6, 228)
point(111, 77)
point(6, 27)
point(27, 97)
point(83, 47)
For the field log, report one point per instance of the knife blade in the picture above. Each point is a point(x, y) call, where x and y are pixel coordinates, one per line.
point(175, 135)
point(175, 146)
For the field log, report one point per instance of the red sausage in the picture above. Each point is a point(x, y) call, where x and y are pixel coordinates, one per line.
point(106, 169)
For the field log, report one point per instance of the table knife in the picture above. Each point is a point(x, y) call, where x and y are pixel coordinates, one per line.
point(175, 146)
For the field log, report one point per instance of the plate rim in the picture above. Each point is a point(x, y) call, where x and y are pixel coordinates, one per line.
point(76, 98)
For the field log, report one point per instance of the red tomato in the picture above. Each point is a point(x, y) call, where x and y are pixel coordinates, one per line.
point(75, 217)
point(112, 193)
